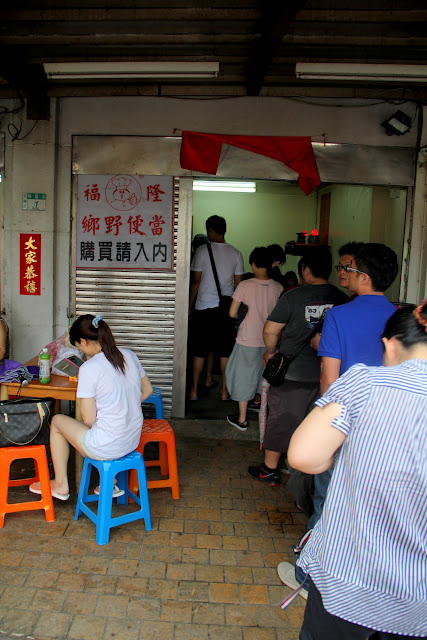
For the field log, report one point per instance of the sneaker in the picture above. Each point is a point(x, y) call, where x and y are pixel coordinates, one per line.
point(254, 406)
point(270, 478)
point(286, 572)
point(234, 420)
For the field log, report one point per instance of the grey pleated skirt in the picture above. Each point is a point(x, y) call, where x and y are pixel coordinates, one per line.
point(244, 372)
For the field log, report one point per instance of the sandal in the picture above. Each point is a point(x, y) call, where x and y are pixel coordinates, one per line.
point(116, 491)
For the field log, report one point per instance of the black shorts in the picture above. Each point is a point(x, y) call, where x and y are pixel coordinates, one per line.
point(287, 405)
point(212, 330)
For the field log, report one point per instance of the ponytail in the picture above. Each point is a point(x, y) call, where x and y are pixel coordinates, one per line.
point(94, 328)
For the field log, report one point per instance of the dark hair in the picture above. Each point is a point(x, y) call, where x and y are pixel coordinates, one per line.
point(276, 253)
point(260, 257)
point(319, 261)
point(198, 241)
point(404, 326)
point(83, 328)
point(217, 224)
point(289, 277)
point(379, 262)
point(300, 267)
point(348, 249)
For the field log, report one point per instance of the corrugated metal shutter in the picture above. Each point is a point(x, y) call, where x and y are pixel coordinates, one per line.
point(139, 306)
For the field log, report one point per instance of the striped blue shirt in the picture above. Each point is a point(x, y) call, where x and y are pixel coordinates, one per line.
point(367, 554)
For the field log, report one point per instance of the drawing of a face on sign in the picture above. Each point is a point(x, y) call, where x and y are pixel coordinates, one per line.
point(123, 193)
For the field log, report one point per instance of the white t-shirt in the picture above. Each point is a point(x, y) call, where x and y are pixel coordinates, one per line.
point(228, 262)
point(261, 297)
point(117, 427)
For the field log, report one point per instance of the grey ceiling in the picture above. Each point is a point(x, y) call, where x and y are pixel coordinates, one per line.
point(256, 44)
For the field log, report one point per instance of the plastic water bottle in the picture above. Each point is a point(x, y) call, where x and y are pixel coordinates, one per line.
point(44, 366)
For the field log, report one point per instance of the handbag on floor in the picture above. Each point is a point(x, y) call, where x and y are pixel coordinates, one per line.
point(25, 421)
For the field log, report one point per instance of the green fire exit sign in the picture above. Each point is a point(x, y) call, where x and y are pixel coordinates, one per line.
point(34, 201)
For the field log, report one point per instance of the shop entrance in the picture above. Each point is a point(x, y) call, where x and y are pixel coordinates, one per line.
point(274, 214)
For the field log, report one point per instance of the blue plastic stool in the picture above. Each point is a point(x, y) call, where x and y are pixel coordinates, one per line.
point(108, 470)
point(156, 399)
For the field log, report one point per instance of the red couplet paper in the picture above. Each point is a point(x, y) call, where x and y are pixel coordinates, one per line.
point(30, 263)
point(201, 152)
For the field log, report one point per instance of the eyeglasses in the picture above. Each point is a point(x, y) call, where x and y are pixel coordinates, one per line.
point(341, 267)
point(347, 268)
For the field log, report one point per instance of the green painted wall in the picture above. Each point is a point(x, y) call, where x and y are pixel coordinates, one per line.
point(272, 215)
point(277, 211)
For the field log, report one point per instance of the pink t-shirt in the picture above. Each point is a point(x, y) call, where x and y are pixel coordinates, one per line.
point(260, 296)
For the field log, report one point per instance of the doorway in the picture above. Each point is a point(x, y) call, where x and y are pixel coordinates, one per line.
point(275, 213)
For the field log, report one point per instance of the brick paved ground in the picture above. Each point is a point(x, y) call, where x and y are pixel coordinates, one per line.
point(207, 570)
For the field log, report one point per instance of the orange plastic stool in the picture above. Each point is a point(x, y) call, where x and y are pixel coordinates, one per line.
point(38, 453)
point(156, 430)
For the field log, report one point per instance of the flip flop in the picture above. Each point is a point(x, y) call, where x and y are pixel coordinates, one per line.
point(286, 572)
point(116, 491)
point(192, 399)
point(37, 491)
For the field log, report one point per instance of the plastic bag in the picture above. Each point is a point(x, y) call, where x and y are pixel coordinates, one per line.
point(65, 352)
point(57, 344)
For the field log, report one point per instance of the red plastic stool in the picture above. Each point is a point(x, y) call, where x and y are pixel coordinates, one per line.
point(38, 453)
point(155, 430)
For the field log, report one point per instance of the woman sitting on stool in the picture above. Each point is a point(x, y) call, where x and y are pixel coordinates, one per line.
point(111, 384)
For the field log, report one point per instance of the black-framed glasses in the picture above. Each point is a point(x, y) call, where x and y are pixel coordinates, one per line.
point(342, 267)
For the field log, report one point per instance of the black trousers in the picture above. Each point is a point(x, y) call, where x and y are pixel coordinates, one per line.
point(320, 625)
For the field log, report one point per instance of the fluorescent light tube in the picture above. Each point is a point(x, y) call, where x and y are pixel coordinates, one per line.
point(224, 185)
point(129, 70)
point(369, 72)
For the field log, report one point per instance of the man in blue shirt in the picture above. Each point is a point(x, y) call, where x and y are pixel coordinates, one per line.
point(352, 332)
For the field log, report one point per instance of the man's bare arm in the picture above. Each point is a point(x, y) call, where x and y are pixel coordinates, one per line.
point(196, 277)
point(330, 371)
point(238, 279)
point(271, 335)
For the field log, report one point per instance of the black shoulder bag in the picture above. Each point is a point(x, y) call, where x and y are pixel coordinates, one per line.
point(277, 367)
point(224, 301)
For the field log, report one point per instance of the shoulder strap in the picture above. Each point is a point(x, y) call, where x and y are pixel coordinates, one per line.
point(296, 353)
point(214, 269)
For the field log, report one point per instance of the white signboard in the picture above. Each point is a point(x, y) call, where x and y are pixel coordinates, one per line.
point(125, 222)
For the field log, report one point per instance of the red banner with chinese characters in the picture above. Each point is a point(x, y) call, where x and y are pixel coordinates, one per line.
point(30, 261)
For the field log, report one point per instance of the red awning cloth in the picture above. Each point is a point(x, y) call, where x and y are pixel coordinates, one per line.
point(201, 152)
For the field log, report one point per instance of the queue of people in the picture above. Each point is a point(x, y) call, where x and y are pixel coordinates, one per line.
point(364, 556)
